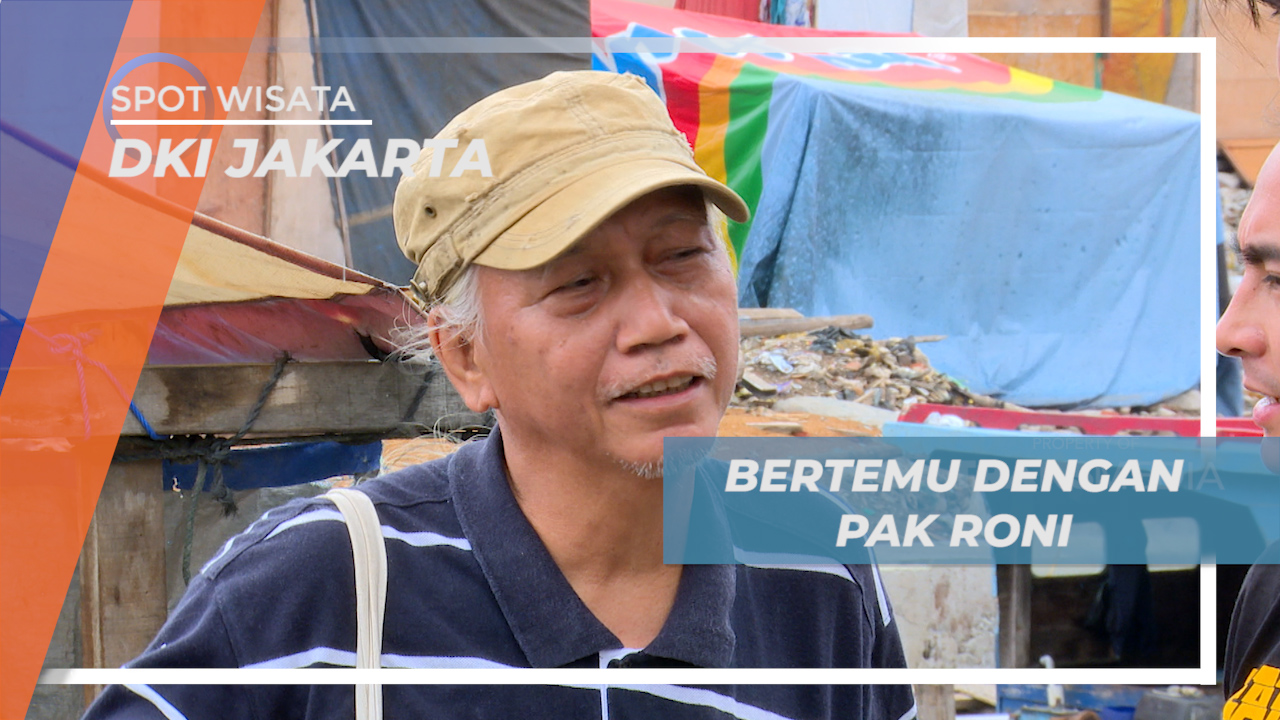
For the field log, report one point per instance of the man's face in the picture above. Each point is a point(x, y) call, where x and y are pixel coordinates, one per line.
point(630, 336)
point(1250, 328)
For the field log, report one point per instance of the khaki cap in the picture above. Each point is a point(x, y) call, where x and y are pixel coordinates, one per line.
point(566, 152)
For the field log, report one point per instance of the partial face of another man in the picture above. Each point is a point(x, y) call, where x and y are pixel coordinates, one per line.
point(1250, 328)
point(629, 336)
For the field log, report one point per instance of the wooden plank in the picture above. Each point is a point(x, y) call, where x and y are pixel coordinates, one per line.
point(767, 313)
point(1247, 155)
point(122, 566)
point(243, 201)
point(309, 399)
point(1013, 583)
point(935, 702)
point(783, 326)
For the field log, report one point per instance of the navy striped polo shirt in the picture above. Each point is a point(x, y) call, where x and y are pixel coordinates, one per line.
point(470, 585)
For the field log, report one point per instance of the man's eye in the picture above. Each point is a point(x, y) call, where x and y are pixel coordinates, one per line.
point(687, 253)
point(578, 283)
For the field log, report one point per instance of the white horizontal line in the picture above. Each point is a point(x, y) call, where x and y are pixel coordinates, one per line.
point(241, 122)
point(600, 676)
point(909, 44)
point(582, 45)
point(585, 45)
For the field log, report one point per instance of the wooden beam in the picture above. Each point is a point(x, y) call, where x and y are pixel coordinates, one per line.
point(309, 399)
point(935, 702)
point(1247, 155)
point(122, 566)
point(1013, 583)
point(782, 326)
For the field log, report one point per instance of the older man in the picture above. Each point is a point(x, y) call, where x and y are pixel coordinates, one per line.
point(1250, 330)
point(580, 292)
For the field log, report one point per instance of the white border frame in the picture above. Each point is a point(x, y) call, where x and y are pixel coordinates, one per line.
point(1206, 674)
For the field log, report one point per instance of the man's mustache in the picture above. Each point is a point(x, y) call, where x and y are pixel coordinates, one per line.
point(704, 367)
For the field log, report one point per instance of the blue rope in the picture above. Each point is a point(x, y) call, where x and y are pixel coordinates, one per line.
point(151, 433)
point(11, 318)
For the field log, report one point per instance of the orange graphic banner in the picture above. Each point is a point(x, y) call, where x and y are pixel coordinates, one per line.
point(90, 324)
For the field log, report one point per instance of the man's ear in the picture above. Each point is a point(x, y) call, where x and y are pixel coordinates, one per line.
point(458, 356)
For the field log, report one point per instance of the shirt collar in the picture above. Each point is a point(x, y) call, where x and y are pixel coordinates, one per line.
point(549, 620)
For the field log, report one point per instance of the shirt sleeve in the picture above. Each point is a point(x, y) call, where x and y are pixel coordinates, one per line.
point(195, 636)
point(199, 633)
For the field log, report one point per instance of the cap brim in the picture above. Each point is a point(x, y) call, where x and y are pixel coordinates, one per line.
point(561, 220)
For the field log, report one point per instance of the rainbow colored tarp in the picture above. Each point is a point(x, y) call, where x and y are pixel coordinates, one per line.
point(1049, 230)
point(721, 103)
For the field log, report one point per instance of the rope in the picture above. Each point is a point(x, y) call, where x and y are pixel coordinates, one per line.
point(213, 453)
point(201, 474)
point(62, 344)
point(151, 433)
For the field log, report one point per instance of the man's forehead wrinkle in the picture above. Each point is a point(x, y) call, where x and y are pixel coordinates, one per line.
point(681, 215)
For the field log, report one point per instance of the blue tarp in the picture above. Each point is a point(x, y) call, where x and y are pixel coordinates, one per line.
point(1055, 244)
point(251, 468)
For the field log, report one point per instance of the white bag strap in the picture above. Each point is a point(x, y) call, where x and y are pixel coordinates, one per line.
point(370, 553)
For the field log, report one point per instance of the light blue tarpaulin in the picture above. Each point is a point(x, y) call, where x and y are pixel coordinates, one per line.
point(1055, 244)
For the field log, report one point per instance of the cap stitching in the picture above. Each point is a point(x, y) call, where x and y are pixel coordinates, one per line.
point(583, 116)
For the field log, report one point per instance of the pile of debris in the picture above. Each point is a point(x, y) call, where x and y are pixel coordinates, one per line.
point(837, 362)
point(890, 374)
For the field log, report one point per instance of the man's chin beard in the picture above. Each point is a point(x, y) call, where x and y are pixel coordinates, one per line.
point(643, 470)
point(684, 457)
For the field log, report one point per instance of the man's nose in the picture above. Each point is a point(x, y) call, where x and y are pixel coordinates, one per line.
point(1237, 333)
point(647, 316)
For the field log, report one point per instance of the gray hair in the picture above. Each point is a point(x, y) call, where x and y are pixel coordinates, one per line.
point(458, 312)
